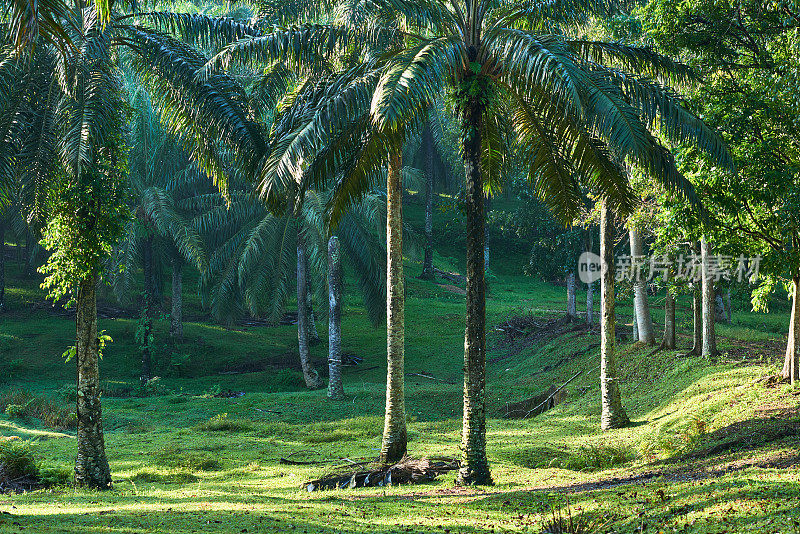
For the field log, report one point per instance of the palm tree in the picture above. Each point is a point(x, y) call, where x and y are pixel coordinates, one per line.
point(612, 413)
point(571, 102)
point(158, 233)
point(71, 108)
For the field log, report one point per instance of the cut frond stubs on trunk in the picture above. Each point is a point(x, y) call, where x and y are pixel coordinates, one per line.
point(406, 471)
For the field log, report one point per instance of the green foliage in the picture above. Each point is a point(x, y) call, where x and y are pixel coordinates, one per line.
point(17, 459)
point(26, 406)
point(103, 339)
point(87, 219)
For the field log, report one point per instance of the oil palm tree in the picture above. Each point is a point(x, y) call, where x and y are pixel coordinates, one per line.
point(64, 65)
point(575, 107)
point(158, 234)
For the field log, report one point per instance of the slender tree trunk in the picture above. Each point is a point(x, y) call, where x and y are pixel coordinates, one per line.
point(668, 342)
point(335, 388)
point(395, 440)
point(590, 304)
point(310, 374)
point(613, 414)
point(488, 208)
point(29, 254)
point(474, 463)
point(147, 313)
point(728, 310)
point(635, 325)
point(588, 246)
point(697, 322)
point(313, 333)
point(644, 319)
point(791, 369)
point(91, 464)
point(176, 317)
point(572, 288)
point(2, 265)
point(709, 336)
point(427, 264)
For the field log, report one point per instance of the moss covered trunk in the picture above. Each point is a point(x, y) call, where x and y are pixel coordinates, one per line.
point(335, 388)
point(395, 438)
point(612, 414)
point(91, 464)
point(474, 463)
point(310, 374)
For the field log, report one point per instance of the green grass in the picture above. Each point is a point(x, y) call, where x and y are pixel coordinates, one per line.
point(186, 461)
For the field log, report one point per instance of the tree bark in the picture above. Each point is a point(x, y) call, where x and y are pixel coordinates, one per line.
point(572, 306)
point(30, 254)
point(590, 304)
point(313, 333)
point(335, 388)
point(474, 463)
point(644, 320)
point(91, 464)
point(668, 342)
point(709, 336)
point(488, 208)
point(728, 310)
point(395, 440)
point(613, 414)
point(791, 369)
point(2, 265)
point(176, 316)
point(588, 246)
point(147, 313)
point(697, 322)
point(427, 264)
point(310, 374)
point(634, 326)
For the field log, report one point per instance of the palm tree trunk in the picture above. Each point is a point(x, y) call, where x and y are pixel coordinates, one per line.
point(176, 317)
point(709, 336)
point(572, 305)
point(728, 310)
point(147, 313)
point(2, 265)
point(635, 326)
point(791, 369)
point(668, 342)
point(474, 463)
point(427, 264)
point(588, 246)
point(313, 333)
point(697, 322)
point(395, 440)
point(335, 388)
point(488, 208)
point(91, 464)
point(310, 374)
point(613, 414)
point(30, 247)
point(644, 320)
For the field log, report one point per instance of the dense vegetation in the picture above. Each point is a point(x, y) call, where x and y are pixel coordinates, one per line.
point(184, 187)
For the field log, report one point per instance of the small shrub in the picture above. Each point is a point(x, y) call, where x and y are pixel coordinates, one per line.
point(55, 476)
point(223, 423)
point(567, 523)
point(16, 411)
point(17, 460)
point(596, 457)
point(24, 405)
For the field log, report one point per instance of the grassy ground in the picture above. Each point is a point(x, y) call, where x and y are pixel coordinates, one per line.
point(711, 448)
